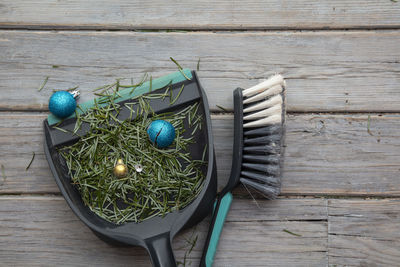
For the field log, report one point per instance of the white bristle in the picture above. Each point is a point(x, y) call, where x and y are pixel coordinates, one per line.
point(277, 109)
point(274, 80)
point(274, 90)
point(275, 100)
point(274, 119)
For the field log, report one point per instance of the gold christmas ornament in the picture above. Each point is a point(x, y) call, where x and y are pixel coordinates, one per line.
point(120, 169)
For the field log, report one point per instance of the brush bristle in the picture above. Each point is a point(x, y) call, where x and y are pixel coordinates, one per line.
point(277, 109)
point(264, 117)
point(267, 84)
point(274, 90)
point(270, 102)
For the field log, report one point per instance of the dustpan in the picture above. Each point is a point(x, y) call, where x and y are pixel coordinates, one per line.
point(154, 234)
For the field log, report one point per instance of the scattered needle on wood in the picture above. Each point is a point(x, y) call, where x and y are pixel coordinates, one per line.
point(222, 108)
point(198, 65)
point(192, 240)
point(369, 124)
point(255, 201)
point(30, 163)
point(180, 68)
point(3, 174)
point(291, 233)
point(43, 84)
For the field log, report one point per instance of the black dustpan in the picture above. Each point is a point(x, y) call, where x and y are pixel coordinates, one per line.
point(154, 234)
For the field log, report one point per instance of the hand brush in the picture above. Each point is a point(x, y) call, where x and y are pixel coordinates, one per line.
point(259, 117)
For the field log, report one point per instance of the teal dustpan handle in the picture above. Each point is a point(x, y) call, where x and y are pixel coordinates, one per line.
point(128, 93)
point(221, 210)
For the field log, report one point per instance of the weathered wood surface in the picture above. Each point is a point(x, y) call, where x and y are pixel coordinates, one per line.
point(325, 154)
point(205, 14)
point(364, 232)
point(325, 71)
point(43, 231)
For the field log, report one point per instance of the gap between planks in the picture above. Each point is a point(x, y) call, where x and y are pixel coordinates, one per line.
point(162, 29)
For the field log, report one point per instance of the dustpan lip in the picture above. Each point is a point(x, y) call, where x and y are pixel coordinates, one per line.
point(174, 221)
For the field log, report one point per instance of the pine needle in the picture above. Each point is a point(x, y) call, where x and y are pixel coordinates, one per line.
point(369, 124)
point(198, 65)
point(170, 178)
point(43, 84)
point(248, 191)
point(222, 108)
point(30, 163)
point(60, 129)
point(3, 174)
point(291, 233)
point(180, 68)
point(179, 94)
point(191, 241)
point(151, 84)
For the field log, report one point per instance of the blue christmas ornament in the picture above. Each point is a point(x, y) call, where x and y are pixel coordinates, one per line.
point(62, 104)
point(161, 133)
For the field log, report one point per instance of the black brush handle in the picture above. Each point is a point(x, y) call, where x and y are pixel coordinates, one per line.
point(224, 199)
point(160, 250)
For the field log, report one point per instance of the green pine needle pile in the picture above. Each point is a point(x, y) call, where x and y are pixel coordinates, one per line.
point(170, 179)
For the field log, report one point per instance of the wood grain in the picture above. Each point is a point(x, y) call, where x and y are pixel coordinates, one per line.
point(325, 154)
point(325, 71)
point(205, 14)
point(364, 232)
point(329, 155)
point(43, 231)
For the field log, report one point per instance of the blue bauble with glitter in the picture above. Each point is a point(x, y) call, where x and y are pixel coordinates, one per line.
point(62, 104)
point(161, 133)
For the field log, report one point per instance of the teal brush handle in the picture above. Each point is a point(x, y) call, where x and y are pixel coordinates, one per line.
point(221, 210)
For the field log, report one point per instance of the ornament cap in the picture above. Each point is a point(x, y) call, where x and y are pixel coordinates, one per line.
point(75, 93)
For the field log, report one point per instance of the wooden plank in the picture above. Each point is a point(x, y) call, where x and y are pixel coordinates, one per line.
point(325, 154)
point(205, 14)
point(338, 155)
point(325, 71)
point(364, 232)
point(331, 154)
point(42, 230)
